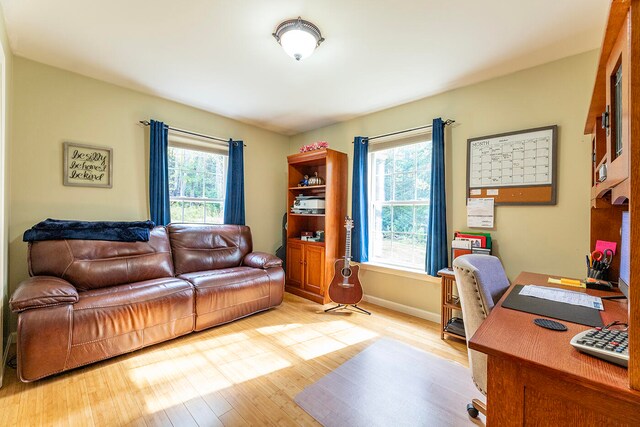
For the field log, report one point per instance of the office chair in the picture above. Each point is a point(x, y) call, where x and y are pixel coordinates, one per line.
point(481, 282)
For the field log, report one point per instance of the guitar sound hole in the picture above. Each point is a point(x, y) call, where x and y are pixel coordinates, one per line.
point(346, 272)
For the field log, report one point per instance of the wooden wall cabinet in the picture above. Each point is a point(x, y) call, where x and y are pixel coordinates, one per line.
point(310, 264)
point(617, 91)
point(610, 126)
point(609, 115)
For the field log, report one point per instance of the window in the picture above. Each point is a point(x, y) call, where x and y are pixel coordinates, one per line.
point(197, 184)
point(616, 107)
point(399, 189)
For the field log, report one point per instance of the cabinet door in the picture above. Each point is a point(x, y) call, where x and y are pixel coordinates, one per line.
point(314, 269)
point(617, 82)
point(295, 264)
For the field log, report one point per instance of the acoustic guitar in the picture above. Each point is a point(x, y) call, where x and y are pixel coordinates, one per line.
point(345, 288)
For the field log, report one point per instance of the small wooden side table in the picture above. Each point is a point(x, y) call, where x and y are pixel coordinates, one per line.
point(448, 302)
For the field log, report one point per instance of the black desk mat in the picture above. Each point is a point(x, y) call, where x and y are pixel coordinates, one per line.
point(557, 310)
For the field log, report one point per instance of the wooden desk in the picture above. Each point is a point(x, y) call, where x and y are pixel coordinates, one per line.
point(536, 376)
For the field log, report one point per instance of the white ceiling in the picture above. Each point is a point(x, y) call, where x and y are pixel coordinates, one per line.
point(219, 55)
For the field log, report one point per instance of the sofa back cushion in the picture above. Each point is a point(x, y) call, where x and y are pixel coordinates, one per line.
point(201, 247)
point(93, 264)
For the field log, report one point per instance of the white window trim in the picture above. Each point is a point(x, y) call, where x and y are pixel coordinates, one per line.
point(396, 270)
point(196, 143)
point(414, 137)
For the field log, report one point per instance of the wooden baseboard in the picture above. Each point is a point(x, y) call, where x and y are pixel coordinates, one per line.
point(406, 309)
point(5, 355)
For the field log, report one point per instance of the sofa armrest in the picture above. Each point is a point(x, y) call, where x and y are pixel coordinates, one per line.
point(261, 260)
point(42, 291)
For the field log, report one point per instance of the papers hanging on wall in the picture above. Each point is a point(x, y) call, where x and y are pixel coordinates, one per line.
point(480, 212)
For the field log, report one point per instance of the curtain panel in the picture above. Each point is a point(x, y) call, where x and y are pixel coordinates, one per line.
point(360, 199)
point(437, 257)
point(234, 197)
point(159, 206)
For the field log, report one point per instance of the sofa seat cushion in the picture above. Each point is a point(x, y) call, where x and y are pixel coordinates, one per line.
point(231, 293)
point(118, 319)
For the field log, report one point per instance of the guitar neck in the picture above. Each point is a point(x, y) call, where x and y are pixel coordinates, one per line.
point(347, 251)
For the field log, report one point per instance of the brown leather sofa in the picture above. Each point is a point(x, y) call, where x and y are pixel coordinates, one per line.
point(90, 300)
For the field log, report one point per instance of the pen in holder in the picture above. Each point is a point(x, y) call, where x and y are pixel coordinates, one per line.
point(598, 264)
point(598, 273)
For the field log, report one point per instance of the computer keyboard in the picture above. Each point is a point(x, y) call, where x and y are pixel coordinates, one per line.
point(609, 344)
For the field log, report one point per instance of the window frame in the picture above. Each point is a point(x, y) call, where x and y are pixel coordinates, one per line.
point(204, 146)
point(387, 262)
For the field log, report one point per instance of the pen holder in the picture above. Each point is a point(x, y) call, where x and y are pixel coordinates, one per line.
point(600, 273)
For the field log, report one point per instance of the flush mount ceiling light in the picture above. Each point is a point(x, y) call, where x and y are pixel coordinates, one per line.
point(298, 37)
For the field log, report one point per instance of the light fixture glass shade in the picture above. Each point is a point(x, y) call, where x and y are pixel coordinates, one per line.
point(298, 44)
point(298, 37)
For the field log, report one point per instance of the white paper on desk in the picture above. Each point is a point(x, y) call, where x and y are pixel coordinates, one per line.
point(560, 295)
point(480, 212)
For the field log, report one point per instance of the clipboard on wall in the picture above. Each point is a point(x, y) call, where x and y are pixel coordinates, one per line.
point(514, 168)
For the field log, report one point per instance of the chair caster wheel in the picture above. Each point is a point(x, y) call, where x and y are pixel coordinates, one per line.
point(472, 411)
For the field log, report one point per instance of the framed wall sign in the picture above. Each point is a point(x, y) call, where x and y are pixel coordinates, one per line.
point(88, 165)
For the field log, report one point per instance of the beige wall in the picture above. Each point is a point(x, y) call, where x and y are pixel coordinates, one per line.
point(52, 106)
point(6, 94)
point(551, 239)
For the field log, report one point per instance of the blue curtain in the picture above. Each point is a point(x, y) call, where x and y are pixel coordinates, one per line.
point(234, 198)
point(437, 257)
point(159, 208)
point(360, 200)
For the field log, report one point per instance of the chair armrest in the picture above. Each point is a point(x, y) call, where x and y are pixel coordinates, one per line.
point(261, 260)
point(42, 291)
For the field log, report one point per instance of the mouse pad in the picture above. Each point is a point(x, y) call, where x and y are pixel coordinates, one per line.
point(557, 310)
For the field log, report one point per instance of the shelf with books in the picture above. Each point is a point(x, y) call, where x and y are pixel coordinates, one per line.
point(309, 263)
point(451, 323)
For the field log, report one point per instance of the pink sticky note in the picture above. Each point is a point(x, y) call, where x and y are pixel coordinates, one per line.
point(602, 245)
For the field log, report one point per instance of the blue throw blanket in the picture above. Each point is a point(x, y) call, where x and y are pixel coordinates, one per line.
point(114, 231)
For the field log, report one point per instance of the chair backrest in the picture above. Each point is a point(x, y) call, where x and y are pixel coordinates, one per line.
point(481, 282)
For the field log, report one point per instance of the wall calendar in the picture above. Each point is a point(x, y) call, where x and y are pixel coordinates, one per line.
point(515, 167)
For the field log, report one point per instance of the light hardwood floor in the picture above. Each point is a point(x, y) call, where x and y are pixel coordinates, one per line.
point(243, 373)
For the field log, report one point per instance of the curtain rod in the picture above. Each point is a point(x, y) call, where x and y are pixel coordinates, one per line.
point(201, 135)
point(446, 122)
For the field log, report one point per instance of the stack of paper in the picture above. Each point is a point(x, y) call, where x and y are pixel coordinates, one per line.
point(560, 295)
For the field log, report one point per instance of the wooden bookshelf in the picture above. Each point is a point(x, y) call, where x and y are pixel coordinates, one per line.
point(449, 307)
point(310, 264)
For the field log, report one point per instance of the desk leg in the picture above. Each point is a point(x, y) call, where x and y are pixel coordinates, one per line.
point(505, 394)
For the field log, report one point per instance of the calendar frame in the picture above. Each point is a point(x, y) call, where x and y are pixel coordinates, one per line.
point(517, 194)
